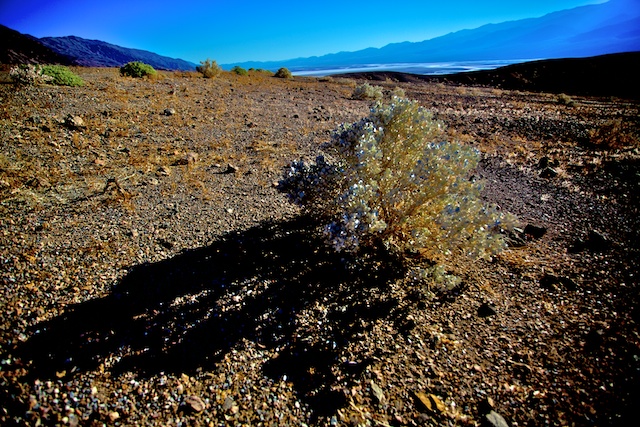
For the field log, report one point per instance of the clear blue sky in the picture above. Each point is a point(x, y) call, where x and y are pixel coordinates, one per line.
point(236, 31)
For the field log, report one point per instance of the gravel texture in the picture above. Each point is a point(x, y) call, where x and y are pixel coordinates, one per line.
point(152, 274)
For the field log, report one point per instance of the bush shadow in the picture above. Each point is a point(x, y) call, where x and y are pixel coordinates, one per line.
point(185, 313)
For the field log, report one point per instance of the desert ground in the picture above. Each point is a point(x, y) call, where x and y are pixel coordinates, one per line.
point(152, 273)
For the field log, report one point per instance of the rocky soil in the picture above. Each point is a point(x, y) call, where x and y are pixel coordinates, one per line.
point(152, 274)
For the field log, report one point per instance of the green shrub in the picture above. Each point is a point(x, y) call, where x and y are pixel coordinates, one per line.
point(239, 71)
point(209, 69)
point(263, 71)
point(137, 69)
point(396, 185)
point(366, 91)
point(62, 76)
point(283, 73)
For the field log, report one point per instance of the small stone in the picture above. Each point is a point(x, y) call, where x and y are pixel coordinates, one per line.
point(188, 158)
point(74, 122)
point(486, 310)
point(377, 392)
point(493, 419)
point(113, 416)
point(191, 157)
point(431, 402)
point(169, 112)
point(231, 168)
point(228, 404)
point(194, 403)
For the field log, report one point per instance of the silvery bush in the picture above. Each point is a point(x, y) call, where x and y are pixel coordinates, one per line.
point(28, 74)
point(391, 181)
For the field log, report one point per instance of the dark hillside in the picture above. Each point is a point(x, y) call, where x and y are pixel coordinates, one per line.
point(18, 48)
point(605, 75)
point(95, 53)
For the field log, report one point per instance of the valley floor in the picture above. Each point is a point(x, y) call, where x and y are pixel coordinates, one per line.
point(152, 274)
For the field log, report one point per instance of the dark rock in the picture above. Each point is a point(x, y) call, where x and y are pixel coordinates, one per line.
point(486, 310)
point(165, 243)
point(534, 231)
point(543, 163)
point(169, 112)
point(546, 162)
point(548, 172)
point(594, 339)
point(231, 169)
point(597, 241)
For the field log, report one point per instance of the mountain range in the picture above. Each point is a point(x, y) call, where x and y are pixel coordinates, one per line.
point(592, 30)
point(71, 50)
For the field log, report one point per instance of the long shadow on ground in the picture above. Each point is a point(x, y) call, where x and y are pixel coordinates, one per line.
point(187, 312)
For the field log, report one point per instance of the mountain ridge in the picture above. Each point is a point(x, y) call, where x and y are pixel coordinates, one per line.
point(611, 27)
point(19, 48)
point(97, 53)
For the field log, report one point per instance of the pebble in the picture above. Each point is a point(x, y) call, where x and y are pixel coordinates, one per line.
point(169, 112)
point(194, 403)
point(74, 122)
point(494, 419)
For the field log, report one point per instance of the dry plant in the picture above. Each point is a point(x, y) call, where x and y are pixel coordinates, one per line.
point(396, 185)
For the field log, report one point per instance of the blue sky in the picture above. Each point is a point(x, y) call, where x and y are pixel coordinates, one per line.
point(237, 31)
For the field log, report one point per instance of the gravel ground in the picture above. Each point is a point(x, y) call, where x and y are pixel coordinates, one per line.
point(152, 274)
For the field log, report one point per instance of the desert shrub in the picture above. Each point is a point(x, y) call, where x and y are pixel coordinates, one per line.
point(239, 71)
point(263, 71)
point(398, 92)
point(137, 69)
point(209, 69)
point(62, 76)
point(565, 99)
point(613, 135)
point(283, 73)
point(28, 74)
point(395, 184)
point(367, 91)
point(41, 74)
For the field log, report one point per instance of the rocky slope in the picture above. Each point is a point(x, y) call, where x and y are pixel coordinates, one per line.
point(152, 274)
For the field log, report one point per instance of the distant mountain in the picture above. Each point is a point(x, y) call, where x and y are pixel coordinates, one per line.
point(592, 30)
point(18, 48)
point(95, 53)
